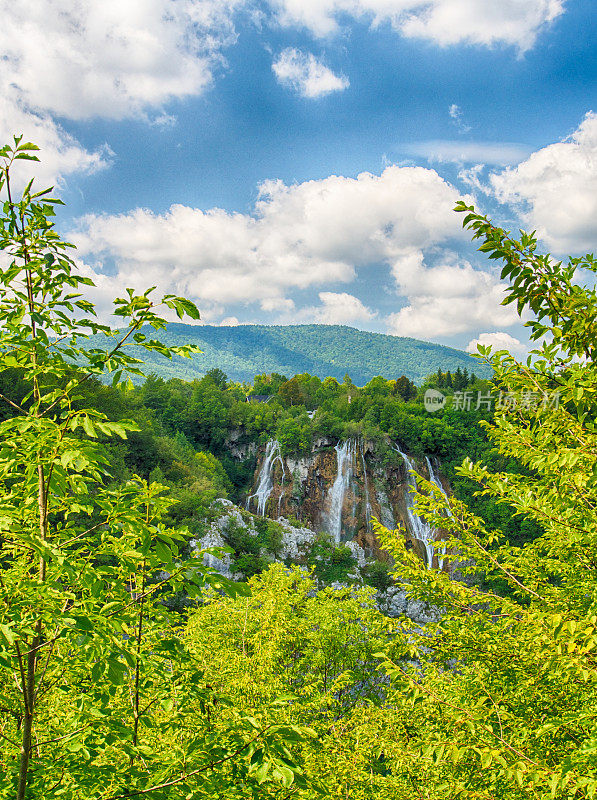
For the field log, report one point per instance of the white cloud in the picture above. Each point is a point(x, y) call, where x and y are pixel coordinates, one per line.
point(448, 151)
point(556, 190)
point(112, 59)
point(446, 22)
point(472, 176)
point(449, 298)
point(282, 304)
point(306, 75)
point(61, 155)
point(339, 309)
point(498, 341)
point(309, 235)
point(457, 118)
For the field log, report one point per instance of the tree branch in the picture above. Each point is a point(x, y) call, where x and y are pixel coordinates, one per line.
point(166, 784)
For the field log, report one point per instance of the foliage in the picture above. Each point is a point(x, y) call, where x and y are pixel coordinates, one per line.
point(503, 698)
point(268, 384)
point(294, 434)
point(331, 563)
point(254, 542)
point(322, 350)
point(317, 647)
point(279, 693)
point(378, 575)
point(99, 694)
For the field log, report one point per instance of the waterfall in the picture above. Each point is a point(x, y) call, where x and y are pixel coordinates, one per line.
point(386, 512)
point(266, 476)
point(436, 482)
point(345, 453)
point(367, 503)
point(420, 529)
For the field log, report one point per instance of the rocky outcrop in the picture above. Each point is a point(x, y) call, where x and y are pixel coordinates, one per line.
point(395, 602)
point(294, 545)
point(294, 548)
point(339, 487)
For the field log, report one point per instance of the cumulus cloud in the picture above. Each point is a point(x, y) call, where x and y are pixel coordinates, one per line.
point(498, 341)
point(61, 154)
point(339, 309)
point(556, 190)
point(446, 22)
point(446, 299)
point(312, 235)
point(110, 59)
point(306, 75)
point(308, 235)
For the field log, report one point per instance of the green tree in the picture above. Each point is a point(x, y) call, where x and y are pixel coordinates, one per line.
point(268, 384)
point(318, 646)
point(218, 377)
point(502, 700)
point(458, 380)
point(405, 388)
point(96, 684)
point(378, 387)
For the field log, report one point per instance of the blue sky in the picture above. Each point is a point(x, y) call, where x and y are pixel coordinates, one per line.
point(292, 162)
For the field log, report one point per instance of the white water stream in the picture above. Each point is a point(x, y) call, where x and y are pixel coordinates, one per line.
point(345, 456)
point(266, 476)
point(421, 530)
point(436, 481)
point(367, 502)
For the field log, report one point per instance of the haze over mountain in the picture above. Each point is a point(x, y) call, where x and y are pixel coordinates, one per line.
point(244, 351)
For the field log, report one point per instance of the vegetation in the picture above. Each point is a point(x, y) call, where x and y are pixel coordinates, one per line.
point(331, 563)
point(252, 553)
point(506, 707)
point(273, 689)
point(320, 647)
point(99, 694)
point(246, 350)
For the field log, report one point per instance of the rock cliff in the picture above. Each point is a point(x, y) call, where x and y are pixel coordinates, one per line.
point(340, 486)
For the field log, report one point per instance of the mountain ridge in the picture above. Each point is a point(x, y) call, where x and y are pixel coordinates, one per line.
point(243, 351)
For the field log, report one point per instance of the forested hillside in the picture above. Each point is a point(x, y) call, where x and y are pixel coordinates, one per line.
point(323, 350)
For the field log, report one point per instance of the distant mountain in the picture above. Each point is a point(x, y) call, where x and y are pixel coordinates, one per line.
point(244, 351)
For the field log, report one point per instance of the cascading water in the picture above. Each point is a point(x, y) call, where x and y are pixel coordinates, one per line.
point(366, 483)
point(420, 529)
point(345, 455)
point(436, 482)
point(266, 476)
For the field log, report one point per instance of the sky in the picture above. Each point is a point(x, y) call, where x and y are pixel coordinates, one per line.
point(298, 161)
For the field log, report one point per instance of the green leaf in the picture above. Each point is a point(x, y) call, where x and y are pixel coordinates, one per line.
point(88, 427)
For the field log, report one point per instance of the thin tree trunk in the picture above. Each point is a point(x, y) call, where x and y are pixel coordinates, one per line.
point(29, 684)
point(29, 702)
point(136, 697)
